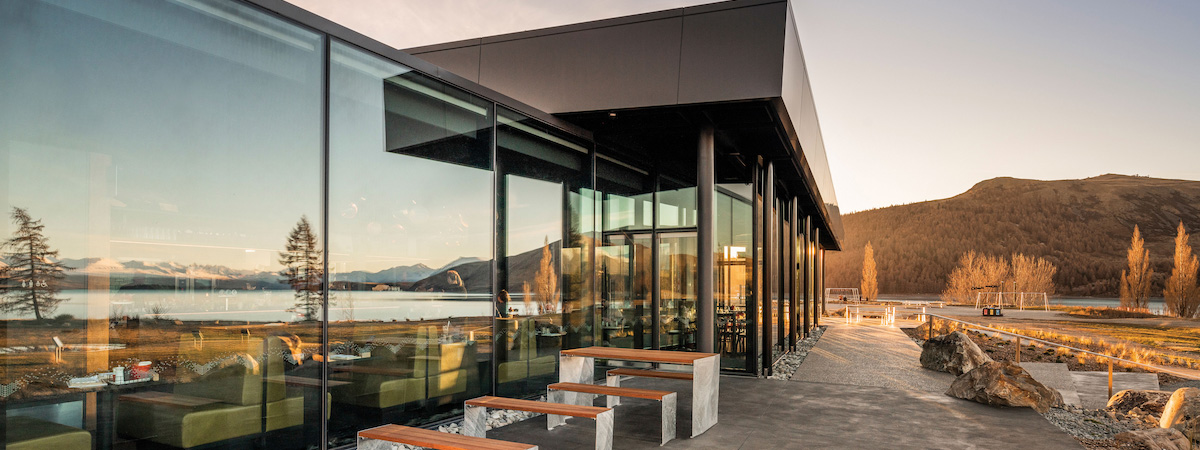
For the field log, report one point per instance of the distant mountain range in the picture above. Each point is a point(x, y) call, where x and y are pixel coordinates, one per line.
point(1082, 226)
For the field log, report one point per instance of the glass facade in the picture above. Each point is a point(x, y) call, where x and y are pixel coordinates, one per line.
point(227, 230)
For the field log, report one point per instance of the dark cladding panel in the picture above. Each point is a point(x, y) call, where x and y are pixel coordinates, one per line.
point(732, 54)
point(623, 66)
point(462, 61)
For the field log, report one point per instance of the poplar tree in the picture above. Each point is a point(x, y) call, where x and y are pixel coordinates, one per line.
point(303, 269)
point(1181, 293)
point(33, 276)
point(546, 280)
point(870, 285)
point(1135, 281)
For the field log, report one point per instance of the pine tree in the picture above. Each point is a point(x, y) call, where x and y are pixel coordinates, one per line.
point(870, 285)
point(1181, 293)
point(1135, 281)
point(303, 269)
point(33, 276)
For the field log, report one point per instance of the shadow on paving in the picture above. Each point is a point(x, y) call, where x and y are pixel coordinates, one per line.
point(767, 414)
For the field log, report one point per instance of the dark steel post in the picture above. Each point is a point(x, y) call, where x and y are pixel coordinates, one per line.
point(768, 231)
point(806, 268)
point(706, 234)
point(818, 278)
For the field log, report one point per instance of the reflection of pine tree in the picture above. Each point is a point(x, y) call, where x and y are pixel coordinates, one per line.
point(33, 276)
point(302, 264)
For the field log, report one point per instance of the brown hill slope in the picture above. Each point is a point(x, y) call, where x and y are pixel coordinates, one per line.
point(1082, 226)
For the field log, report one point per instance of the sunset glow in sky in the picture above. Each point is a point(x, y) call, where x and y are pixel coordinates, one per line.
point(920, 100)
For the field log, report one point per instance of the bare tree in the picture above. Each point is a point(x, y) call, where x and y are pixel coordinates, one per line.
point(962, 280)
point(1180, 294)
point(870, 285)
point(303, 269)
point(33, 275)
point(1135, 281)
point(1031, 274)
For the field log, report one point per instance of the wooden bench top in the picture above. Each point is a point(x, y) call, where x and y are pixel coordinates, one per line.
point(634, 354)
point(538, 407)
point(438, 440)
point(651, 374)
point(648, 394)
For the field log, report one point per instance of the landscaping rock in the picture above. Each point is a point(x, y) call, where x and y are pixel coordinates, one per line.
point(954, 353)
point(1153, 439)
point(1004, 384)
point(1139, 402)
point(1182, 410)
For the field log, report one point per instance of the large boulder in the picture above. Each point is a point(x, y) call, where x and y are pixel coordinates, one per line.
point(1153, 439)
point(1182, 410)
point(1139, 402)
point(1001, 383)
point(954, 353)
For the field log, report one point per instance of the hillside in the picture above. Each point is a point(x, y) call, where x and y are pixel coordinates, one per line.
point(1082, 226)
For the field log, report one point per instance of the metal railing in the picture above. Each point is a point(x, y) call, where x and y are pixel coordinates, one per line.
point(1019, 337)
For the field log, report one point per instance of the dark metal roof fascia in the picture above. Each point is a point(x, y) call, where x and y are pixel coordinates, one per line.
point(801, 162)
point(313, 21)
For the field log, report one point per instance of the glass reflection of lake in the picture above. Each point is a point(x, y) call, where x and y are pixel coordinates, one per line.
point(271, 306)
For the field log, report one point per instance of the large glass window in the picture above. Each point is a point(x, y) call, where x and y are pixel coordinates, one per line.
point(677, 257)
point(547, 266)
point(410, 206)
point(162, 161)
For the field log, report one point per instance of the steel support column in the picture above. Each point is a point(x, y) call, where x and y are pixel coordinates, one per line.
point(707, 239)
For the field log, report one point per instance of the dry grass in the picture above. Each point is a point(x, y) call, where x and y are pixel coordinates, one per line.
point(1145, 344)
point(1093, 312)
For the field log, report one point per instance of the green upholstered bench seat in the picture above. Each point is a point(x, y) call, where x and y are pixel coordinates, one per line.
point(24, 433)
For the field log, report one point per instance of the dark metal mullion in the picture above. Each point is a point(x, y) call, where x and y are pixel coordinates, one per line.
point(655, 290)
point(324, 434)
point(498, 248)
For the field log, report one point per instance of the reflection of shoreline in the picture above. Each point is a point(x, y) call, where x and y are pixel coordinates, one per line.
point(266, 306)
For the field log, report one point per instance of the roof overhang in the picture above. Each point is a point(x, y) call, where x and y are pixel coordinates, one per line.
point(737, 65)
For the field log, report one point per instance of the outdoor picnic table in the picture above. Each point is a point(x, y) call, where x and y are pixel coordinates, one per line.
point(578, 366)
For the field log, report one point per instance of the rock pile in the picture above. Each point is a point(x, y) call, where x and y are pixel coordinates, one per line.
point(1153, 439)
point(1182, 410)
point(954, 353)
point(1144, 406)
point(1004, 384)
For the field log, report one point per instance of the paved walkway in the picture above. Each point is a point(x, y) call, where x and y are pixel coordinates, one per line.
point(872, 393)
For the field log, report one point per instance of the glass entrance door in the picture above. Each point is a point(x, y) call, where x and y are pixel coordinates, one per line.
point(677, 257)
point(625, 262)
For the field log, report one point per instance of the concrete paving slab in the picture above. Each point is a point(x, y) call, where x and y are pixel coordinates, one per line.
point(1093, 386)
point(1055, 376)
point(773, 414)
point(867, 355)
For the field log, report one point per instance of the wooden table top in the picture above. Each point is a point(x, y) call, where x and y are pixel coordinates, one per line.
point(634, 354)
point(392, 371)
point(163, 398)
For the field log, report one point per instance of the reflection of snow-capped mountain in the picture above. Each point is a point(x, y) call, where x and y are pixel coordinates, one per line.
point(458, 262)
point(393, 275)
point(163, 269)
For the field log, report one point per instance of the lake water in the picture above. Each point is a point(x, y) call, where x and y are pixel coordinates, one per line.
point(269, 306)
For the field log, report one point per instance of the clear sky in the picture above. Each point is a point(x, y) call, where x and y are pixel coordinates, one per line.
point(920, 100)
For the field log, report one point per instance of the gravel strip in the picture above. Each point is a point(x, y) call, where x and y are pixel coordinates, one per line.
point(787, 365)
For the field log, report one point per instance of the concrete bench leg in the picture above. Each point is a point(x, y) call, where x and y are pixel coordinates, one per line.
point(554, 420)
point(604, 430)
point(615, 381)
point(668, 418)
point(475, 421)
